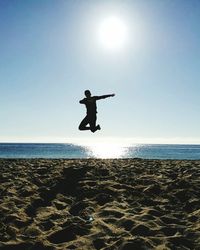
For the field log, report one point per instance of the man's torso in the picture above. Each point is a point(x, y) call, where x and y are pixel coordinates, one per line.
point(91, 106)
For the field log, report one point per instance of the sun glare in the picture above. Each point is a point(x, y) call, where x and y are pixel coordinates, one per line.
point(112, 33)
point(103, 150)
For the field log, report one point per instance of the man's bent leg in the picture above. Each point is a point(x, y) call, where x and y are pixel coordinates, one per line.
point(93, 126)
point(84, 123)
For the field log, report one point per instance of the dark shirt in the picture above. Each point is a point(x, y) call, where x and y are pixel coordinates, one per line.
point(90, 104)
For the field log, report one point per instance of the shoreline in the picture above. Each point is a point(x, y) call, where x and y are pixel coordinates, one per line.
point(103, 204)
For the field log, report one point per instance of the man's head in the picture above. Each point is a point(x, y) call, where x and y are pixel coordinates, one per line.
point(87, 93)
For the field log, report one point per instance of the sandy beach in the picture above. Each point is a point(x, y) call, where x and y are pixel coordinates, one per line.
point(99, 204)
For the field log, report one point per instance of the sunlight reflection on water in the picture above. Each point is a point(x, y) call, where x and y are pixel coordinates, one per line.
point(107, 151)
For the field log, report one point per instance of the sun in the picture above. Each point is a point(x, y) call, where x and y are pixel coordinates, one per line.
point(112, 33)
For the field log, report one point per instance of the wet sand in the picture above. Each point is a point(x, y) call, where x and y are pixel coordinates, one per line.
point(99, 204)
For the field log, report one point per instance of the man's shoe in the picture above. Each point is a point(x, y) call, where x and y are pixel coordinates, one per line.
point(98, 127)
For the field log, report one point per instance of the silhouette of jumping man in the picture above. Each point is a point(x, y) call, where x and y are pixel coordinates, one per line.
point(91, 117)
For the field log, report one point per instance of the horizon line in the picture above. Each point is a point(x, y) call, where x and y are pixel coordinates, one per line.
point(103, 140)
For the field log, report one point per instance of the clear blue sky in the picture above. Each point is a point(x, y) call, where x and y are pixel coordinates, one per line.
point(49, 54)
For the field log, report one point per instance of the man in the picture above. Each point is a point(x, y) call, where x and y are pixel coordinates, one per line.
point(91, 117)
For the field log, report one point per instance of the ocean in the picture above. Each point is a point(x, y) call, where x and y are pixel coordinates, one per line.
point(59, 150)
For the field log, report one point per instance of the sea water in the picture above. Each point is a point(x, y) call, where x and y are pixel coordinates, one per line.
point(57, 150)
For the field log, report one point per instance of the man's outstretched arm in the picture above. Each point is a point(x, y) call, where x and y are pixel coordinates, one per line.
point(104, 96)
